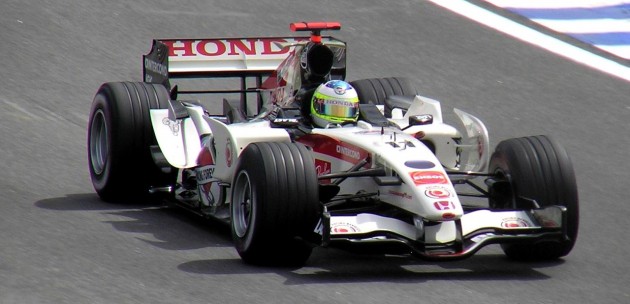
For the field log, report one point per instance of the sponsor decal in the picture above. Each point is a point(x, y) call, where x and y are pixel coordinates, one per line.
point(286, 121)
point(419, 164)
point(348, 152)
point(343, 228)
point(322, 167)
point(437, 192)
point(335, 102)
point(444, 205)
point(155, 67)
point(401, 194)
point(204, 174)
point(221, 47)
point(228, 153)
point(228, 47)
point(514, 222)
point(334, 148)
point(428, 177)
point(423, 119)
point(419, 135)
point(206, 193)
point(173, 125)
point(448, 216)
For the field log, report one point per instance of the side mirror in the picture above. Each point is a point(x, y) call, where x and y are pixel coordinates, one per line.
point(419, 120)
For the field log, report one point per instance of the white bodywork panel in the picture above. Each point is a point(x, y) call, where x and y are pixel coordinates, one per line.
point(401, 153)
point(230, 140)
point(443, 137)
point(425, 105)
point(514, 220)
point(178, 139)
point(471, 155)
point(426, 191)
point(440, 134)
point(366, 223)
point(476, 146)
point(441, 233)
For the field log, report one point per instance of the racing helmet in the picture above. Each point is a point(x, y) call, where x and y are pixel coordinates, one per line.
point(334, 102)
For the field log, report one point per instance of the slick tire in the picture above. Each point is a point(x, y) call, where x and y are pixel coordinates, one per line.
point(535, 168)
point(376, 90)
point(120, 135)
point(275, 204)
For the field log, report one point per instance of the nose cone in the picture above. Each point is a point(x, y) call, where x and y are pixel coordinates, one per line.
point(436, 195)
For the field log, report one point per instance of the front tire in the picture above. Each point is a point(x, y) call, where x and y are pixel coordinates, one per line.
point(119, 138)
point(275, 204)
point(535, 168)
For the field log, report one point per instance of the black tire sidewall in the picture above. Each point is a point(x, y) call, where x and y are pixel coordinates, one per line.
point(112, 181)
point(537, 168)
point(101, 180)
point(284, 192)
point(258, 187)
point(130, 170)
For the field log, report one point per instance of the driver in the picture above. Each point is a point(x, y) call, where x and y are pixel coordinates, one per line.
point(334, 103)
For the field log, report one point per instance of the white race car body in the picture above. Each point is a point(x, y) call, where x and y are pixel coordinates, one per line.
point(415, 178)
point(392, 181)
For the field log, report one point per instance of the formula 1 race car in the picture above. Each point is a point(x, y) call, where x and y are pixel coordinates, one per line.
point(398, 180)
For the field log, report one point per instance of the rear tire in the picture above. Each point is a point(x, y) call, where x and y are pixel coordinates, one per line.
point(275, 204)
point(119, 138)
point(535, 168)
point(376, 90)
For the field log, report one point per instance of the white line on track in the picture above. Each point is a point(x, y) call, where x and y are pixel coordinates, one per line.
point(531, 36)
point(586, 26)
point(556, 4)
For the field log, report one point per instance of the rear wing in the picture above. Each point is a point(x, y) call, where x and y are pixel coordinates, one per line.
point(230, 57)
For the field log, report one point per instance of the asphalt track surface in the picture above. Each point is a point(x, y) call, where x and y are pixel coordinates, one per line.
point(60, 244)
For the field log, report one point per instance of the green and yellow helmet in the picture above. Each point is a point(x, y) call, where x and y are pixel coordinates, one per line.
point(334, 102)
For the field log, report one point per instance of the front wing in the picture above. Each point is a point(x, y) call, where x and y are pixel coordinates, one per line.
point(443, 240)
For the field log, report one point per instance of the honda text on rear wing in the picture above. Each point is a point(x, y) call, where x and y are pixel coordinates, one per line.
point(238, 58)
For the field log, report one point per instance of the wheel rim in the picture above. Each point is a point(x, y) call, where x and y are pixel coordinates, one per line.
point(242, 204)
point(98, 142)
